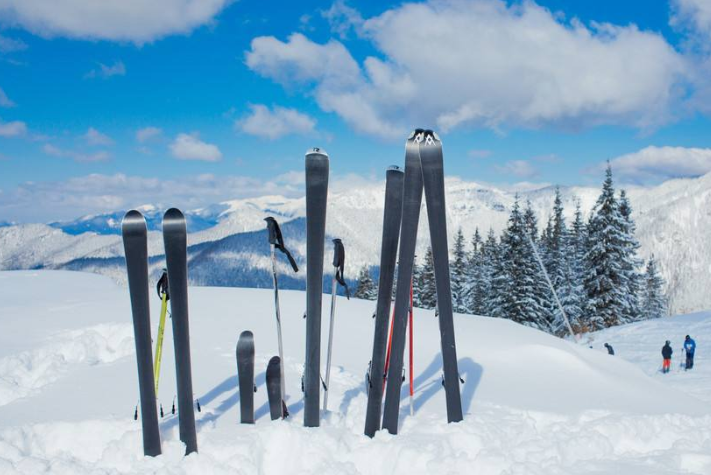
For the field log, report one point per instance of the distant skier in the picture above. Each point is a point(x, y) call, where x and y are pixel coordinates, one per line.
point(610, 350)
point(667, 354)
point(690, 349)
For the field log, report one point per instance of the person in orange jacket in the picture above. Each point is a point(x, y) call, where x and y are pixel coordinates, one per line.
point(667, 354)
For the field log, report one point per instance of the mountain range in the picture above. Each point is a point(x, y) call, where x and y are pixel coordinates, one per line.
point(228, 242)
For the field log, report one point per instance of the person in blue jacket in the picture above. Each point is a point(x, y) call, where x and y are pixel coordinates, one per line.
point(690, 349)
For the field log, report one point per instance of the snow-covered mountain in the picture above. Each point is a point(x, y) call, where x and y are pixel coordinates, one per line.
point(228, 244)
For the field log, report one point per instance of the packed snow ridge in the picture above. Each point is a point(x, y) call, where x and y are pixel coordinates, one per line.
point(534, 404)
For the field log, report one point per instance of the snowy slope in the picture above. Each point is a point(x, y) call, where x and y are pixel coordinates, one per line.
point(534, 404)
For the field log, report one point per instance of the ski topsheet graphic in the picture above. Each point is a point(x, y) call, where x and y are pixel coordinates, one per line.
point(423, 170)
point(316, 196)
point(245, 375)
point(135, 246)
point(175, 241)
point(392, 216)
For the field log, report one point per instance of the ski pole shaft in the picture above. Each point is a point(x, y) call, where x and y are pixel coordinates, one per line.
point(390, 344)
point(159, 341)
point(330, 341)
point(412, 330)
point(278, 322)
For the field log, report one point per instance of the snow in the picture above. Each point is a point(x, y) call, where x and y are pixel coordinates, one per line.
point(534, 404)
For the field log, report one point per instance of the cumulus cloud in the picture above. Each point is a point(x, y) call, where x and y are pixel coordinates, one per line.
point(275, 123)
point(147, 134)
point(190, 147)
point(12, 129)
point(483, 63)
point(4, 100)
point(105, 72)
point(77, 156)
point(656, 164)
point(694, 15)
point(518, 168)
point(94, 137)
point(138, 21)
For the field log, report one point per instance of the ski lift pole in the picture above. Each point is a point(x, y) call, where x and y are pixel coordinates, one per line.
point(550, 285)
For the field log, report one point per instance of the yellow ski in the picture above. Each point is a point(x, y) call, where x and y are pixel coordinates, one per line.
point(163, 292)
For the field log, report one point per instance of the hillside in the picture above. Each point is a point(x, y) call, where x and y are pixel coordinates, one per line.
point(534, 404)
point(229, 239)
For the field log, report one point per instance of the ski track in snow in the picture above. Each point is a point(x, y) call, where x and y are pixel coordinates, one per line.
point(68, 396)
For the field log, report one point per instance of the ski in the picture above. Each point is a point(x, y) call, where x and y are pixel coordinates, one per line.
point(388, 253)
point(274, 372)
point(175, 242)
point(412, 201)
point(339, 257)
point(316, 167)
point(433, 178)
point(245, 374)
point(135, 243)
point(276, 241)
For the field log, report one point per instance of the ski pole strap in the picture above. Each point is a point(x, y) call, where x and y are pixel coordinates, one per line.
point(339, 258)
point(162, 286)
point(277, 240)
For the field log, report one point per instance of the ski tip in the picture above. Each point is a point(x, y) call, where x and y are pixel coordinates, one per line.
point(246, 334)
point(274, 360)
point(316, 151)
point(173, 213)
point(395, 168)
point(133, 221)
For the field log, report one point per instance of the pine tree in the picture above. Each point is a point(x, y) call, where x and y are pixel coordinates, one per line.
point(458, 273)
point(631, 263)
point(490, 263)
point(604, 280)
point(475, 292)
point(654, 302)
point(366, 288)
point(427, 288)
point(541, 292)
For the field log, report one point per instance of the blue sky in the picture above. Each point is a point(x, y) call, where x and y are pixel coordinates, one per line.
point(204, 100)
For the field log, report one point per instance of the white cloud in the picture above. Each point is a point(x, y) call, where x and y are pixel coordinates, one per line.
point(94, 137)
point(518, 168)
point(342, 18)
point(99, 156)
point(694, 15)
point(656, 164)
point(190, 147)
point(11, 45)
point(148, 133)
point(477, 153)
point(139, 21)
point(4, 100)
point(105, 72)
point(12, 129)
point(98, 193)
point(483, 63)
point(275, 123)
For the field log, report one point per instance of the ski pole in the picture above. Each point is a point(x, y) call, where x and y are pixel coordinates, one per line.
point(276, 241)
point(412, 370)
point(162, 289)
point(338, 264)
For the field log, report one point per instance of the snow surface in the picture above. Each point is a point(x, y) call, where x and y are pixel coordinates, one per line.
point(534, 404)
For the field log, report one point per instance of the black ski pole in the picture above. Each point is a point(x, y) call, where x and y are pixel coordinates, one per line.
point(339, 256)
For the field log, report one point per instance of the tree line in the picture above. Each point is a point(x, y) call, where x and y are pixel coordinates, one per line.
point(592, 264)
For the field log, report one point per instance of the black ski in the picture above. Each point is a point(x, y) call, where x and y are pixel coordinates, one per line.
point(412, 201)
point(133, 229)
point(274, 388)
point(316, 196)
point(245, 373)
point(388, 253)
point(175, 242)
point(433, 178)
